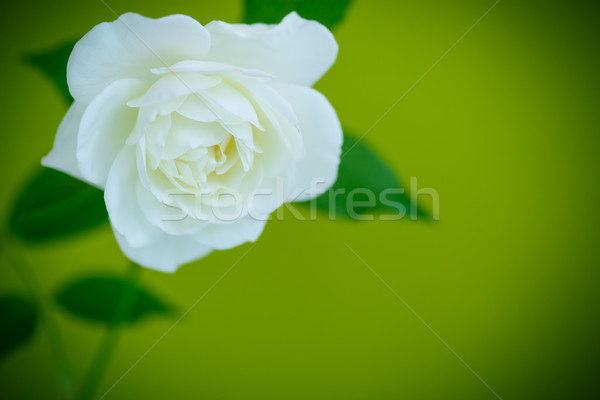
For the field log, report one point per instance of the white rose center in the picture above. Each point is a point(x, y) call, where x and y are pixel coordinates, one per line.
point(209, 129)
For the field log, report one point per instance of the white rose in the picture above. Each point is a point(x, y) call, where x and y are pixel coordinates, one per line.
point(217, 121)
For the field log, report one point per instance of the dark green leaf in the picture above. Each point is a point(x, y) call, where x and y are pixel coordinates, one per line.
point(329, 13)
point(362, 170)
point(18, 319)
point(53, 64)
point(98, 298)
point(54, 204)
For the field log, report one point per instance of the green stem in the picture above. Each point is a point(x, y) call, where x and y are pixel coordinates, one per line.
point(57, 346)
point(109, 343)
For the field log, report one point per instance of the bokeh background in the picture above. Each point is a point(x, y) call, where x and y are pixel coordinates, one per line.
point(505, 128)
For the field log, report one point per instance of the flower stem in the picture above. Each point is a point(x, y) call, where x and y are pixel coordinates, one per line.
point(100, 362)
point(55, 341)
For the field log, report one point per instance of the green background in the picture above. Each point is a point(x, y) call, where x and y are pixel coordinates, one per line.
point(505, 129)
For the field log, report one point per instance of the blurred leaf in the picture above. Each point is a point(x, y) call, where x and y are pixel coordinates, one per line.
point(362, 170)
point(54, 204)
point(329, 13)
point(18, 319)
point(53, 64)
point(98, 298)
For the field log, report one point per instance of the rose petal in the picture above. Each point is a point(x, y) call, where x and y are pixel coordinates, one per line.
point(271, 194)
point(105, 125)
point(121, 201)
point(169, 218)
point(63, 155)
point(194, 108)
point(166, 254)
point(296, 50)
point(322, 136)
point(209, 67)
point(186, 134)
point(232, 101)
point(227, 235)
point(170, 87)
point(129, 47)
point(156, 137)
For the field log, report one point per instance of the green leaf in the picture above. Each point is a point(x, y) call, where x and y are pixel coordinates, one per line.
point(18, 319)
point(98, 298)
point(361, 170)
point(54, 205)
point(329, 13)
point(53, 64)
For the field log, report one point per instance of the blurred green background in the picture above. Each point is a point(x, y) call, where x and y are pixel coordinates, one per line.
point(505, 129)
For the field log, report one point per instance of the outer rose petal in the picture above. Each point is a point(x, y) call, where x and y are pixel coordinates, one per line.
point(129, 47)
point(169, 218)
point(166, 254)
point(296, 50)
point(105, 125)
point(141, 241)
point(63, 154)
point(322, 136)
point(124, 210)
point(228, 235)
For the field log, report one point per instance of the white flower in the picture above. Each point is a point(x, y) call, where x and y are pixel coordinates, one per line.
point(217, 123)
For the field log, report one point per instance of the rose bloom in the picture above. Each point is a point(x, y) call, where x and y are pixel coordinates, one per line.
point(197, 133)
